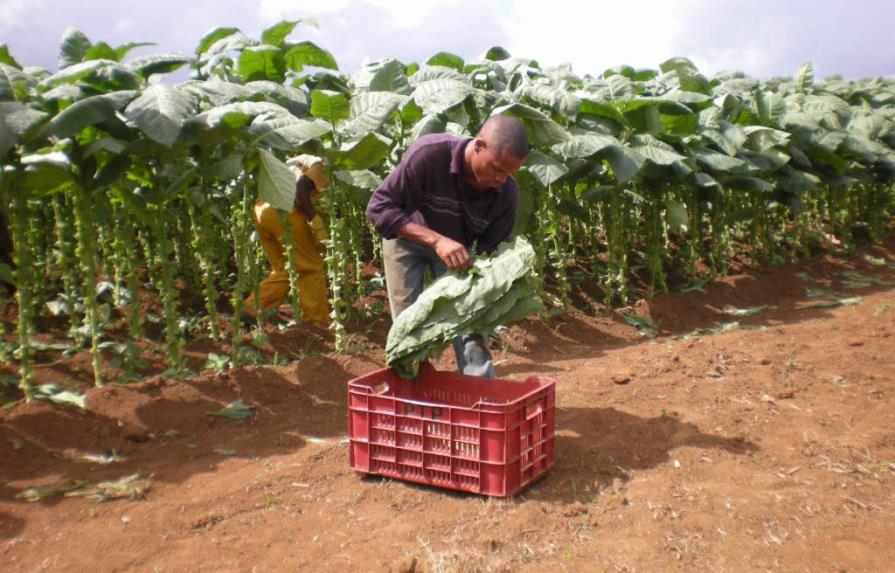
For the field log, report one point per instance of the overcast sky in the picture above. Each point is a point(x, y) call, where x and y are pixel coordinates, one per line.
point(763, 38)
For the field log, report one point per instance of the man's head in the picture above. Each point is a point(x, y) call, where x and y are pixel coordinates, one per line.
point(498, 151)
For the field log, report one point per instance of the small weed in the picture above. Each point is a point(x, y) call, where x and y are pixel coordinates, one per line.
point(270, 499)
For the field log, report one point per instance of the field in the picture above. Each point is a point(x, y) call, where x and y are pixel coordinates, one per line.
point(715, 255)
point(763, 445)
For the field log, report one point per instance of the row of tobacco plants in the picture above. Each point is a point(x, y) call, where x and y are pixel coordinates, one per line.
point(118, 180)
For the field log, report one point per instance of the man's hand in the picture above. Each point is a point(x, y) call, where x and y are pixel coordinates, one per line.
point(454, 255)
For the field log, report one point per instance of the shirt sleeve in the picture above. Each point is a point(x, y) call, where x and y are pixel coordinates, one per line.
point(502, 222)
point(399, 196)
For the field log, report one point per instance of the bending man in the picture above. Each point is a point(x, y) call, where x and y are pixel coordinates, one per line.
point(445, 196)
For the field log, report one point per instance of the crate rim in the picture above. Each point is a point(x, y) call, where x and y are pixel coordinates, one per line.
point(544, 382)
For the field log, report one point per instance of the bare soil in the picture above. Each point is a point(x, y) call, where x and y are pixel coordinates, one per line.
point(766, 445)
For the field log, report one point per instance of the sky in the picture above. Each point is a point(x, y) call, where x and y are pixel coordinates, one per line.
point(763, 38)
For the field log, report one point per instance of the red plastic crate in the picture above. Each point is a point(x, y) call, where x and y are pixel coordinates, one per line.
point(487, 436)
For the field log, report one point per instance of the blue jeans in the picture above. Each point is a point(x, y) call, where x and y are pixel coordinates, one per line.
point(405, 266)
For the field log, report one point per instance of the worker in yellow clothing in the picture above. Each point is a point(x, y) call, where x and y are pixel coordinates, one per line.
point(308, 234)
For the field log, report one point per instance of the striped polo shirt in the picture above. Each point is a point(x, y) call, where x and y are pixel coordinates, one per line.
point(427, 188)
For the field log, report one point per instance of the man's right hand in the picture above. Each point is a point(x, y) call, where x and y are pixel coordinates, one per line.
point(454, 255)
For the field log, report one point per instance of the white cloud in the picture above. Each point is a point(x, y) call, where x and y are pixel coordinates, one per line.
point(124, 25)
point(402, 14)
point(594, 36)
point(13, 13)
point(761, 37)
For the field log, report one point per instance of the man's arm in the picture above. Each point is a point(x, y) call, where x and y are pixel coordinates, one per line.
point(454, 255)
point(401, 193)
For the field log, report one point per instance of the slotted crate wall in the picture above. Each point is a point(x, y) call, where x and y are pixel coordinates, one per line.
point(492, 437)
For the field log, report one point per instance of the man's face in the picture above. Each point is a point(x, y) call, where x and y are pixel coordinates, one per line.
point(491, 169)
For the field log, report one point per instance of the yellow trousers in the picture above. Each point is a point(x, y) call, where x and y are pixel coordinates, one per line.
point(308, 264)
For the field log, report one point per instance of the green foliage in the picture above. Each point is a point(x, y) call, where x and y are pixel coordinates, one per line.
point(496, 291)
point(150, 184)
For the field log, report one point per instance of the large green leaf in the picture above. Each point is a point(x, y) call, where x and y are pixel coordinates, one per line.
point(526, 205)
point(6, 57)
point(219, 92)
point(287, 132)
point(620, 87)
point(47, 172)
point(309, 54)
point(765, 162)
point(440, 94)
point(601, 109)
point(796, 180)
point(583, 145)
point(383, 75)
point(655, 150)
point(108, 144)
point(545, 169)
point(555, 98)
point(428, 124)
point(362, 154)
point(276, 35)
point(73, 48)
point(295, 100)
point(430, 73)
point(369, 110)
point(497, 53)
point(718, 162)
point(446, 59)
point(106, 74)
point(760, 138)
point(676, 214)
point(361, 179)
point(822, 157)
point(230, 167)
point(663, 105)
point(693, 99)
point(124, 49)
point(101, 51)
point(750, 184)
point(261, 63)
point(212, 37)
point(234, 115)
point(88, 111)
point(10, 77)
point(160, 112)
point(16, 120)
point(219, 52)
point(625, 162)
point(645, 119)
point(541, 130)
point(804, 78)
point(158, 63)
point(276, 183)
point(330, 105)
point(679, 65)
point(770, 108)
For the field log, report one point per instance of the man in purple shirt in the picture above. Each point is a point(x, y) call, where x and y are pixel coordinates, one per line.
point(447, 196)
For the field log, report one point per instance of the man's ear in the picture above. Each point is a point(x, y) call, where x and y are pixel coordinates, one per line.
point(479, 144)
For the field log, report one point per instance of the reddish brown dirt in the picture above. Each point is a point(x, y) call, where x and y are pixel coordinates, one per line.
point(765, 448)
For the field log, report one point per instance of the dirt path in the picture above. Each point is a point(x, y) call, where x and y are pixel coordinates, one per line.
point(767, 445)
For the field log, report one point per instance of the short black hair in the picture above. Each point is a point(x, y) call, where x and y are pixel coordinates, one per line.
point(505, 133)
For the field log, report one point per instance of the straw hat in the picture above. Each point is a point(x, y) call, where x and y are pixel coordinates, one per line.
point(311, 166)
